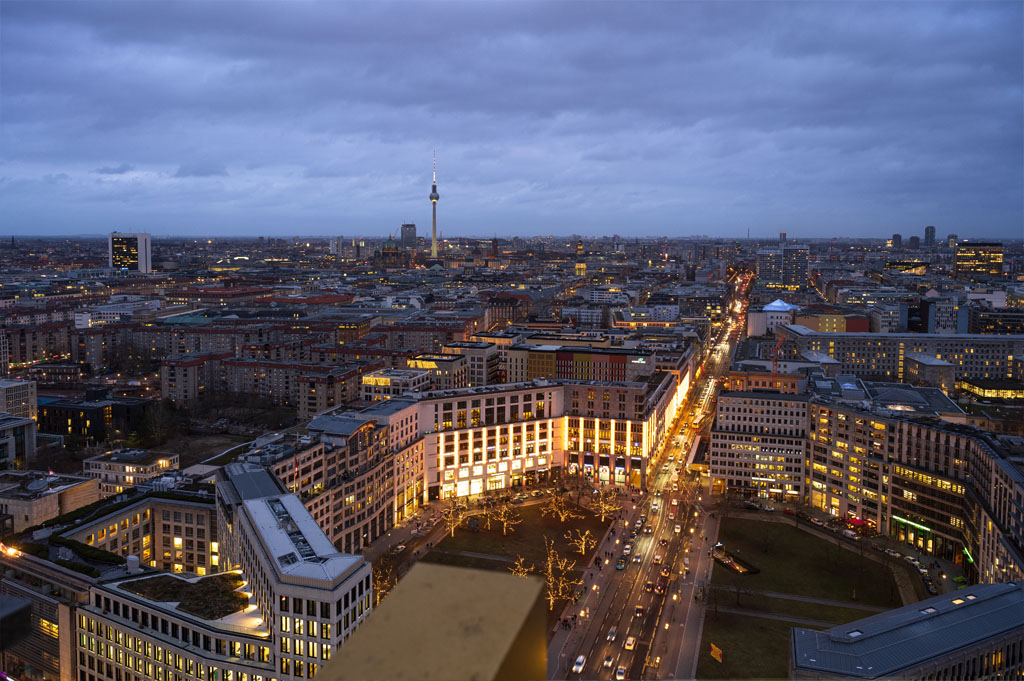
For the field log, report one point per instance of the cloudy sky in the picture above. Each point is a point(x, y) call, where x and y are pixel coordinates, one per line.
point(279, 118)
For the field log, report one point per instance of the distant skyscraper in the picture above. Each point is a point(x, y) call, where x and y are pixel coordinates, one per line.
point(929, 237)
point(782, 237)
point(129, 252)
point(338, 246)
point(434, 196)
point(794, 264)
point(897, 241)
point(951, 241)
point(409, 236)
point(915, 243)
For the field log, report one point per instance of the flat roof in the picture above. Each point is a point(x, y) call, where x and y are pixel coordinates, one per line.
point(886, 644)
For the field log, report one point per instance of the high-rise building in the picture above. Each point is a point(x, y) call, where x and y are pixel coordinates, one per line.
point(769, 265)
point(929, 236)
point(18, 398)
point(897, 241)
point(915, 243)
point(434, 196)
point(337, 246)
point(409, 236)
point(794, 265)
point(976, 259)
point(129, 252)
point(782, 237)
point(951, 241)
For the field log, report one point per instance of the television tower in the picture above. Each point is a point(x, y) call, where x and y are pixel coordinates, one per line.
point(433, 204)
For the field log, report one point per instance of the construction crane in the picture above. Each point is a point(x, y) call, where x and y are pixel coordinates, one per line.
point(775, 359)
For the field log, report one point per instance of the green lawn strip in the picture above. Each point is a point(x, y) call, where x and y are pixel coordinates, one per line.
point(752, 647)
point(795, 562)
point(787, 607)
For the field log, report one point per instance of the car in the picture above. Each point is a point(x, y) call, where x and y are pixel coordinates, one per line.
point(648, 529)
point(660, 589)
point(675, 487)
point(675, 502)
point(663, 542)
point(639, 611)
point(922, 570)
point(630, 642)
point(818, 521)
point(666, 571)
point(637, 558)
point(931, 589)
point(620, 673)
point(649, 586)
point(398, 549)
point(657, 559)
point(627, 549)
point(671, 457)
point(608, 662)
point(632, 534)
point(639, 523)
point(679, 528)
point(671, 516)
point(620, 564)
point(577, 666)
point(892, 554)
point(612, 632)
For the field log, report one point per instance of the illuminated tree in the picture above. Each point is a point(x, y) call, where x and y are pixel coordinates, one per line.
point(452, 515)
point(606, 504)
point(520, 568)
point(508, 517)
point(560, 507)
point(559, 578)
point(385, 577)
point(582, 541)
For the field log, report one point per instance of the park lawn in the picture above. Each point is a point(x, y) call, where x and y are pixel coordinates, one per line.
point(752, 647)
point(527, 539)
point(794, 562)
point(785, 606)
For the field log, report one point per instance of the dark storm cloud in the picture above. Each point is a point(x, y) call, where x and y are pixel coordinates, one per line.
point(655, 118)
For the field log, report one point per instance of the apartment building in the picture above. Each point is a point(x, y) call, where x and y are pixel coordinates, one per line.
point(18, 398)
point(123, 468)
point(186, 377)
point(882, 355)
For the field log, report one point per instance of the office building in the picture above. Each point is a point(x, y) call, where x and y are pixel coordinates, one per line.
point(27, 498)
point(18, 398)
point(929, 236)
point(387, 383)
point(446, 371)
point(972, 633)
point(881, 355)
point(794, 265)
point(897, 241)
point(978, 260)
point(769, 265)
point(17, 441)
point(408, 236)
point(484, 366)
point(129, 252)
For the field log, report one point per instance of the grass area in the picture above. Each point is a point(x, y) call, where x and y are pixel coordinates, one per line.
point(751, 647)
point(795, 562)
point(528, 539)
point(210, 598)
point(783, 606)
point(192, 449)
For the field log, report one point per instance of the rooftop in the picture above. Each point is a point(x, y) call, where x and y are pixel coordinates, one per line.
point(886, 644)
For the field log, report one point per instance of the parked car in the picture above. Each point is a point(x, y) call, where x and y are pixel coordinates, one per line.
point(620, 564)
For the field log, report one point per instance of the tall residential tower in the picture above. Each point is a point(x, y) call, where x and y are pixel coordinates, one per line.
point(433, 204)
point(129, 252)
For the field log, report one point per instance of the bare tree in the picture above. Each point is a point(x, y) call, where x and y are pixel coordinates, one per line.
point(582, 541)
point(560, 507)
point(606, 504)
point(452, 515)
point(520, 568)
point(559, 578)
point(507, 516)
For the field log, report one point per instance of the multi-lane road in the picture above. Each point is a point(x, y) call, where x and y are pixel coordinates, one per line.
point(644, 621)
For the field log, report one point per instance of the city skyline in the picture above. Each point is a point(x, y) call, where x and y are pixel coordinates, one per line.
point(316, 121)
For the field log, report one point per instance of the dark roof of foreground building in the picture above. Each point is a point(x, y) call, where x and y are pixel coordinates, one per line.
point(886, 644)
